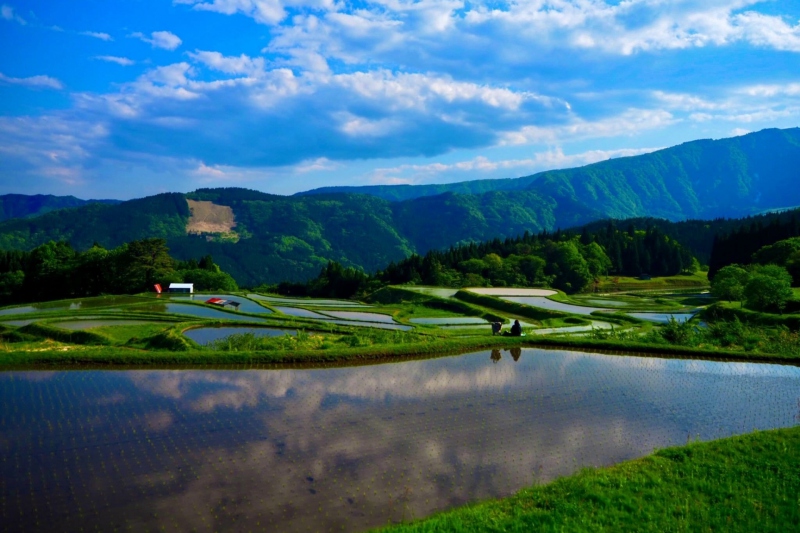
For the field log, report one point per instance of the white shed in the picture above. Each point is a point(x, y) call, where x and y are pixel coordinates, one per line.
point(181, 287)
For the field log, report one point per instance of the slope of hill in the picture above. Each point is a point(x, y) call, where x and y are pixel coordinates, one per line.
point(700, 179)
point(280, 238)
point(23, 206)
point(732, 177)
point(398, 193)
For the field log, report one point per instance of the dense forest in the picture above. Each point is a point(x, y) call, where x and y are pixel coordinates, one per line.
point(565, 260)
point(55, 270)
point(741, 245)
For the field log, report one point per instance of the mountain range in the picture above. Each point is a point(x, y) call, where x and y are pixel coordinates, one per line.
point(278, 238)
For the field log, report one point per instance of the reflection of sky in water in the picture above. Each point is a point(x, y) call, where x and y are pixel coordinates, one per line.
point(544, 303)
point(349, 448)
point(196, 310)
point(358, 316)
point(245, 305)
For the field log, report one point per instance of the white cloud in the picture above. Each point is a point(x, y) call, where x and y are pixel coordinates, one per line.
point(37, 82)
point(160, 39)
point(547, 160)
point(124, 61)
point(630, 122)
point(7, 13)
point(97, 35)
point(242, 64)
point(262, 11)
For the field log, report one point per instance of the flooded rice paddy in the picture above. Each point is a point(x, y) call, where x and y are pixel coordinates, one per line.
point(74, 305)
point(196, 310)
point(313, 302)
point(545, 303)
point(361, 317)
point(208, 335)
point(346, 449)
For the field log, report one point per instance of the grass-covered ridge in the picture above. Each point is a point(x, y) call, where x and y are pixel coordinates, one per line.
point(747, 483)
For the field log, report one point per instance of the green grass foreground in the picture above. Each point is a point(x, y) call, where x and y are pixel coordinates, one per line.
point(748, 483)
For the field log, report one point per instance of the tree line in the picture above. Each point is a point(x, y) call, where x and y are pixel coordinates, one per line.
point(566, 260)
point(55, 270)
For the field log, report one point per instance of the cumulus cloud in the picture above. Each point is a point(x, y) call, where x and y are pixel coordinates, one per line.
point(36, 82)
point(547, 160)
point(160, 39)
point(262, 11)
point(97, 35)
point(124, 61)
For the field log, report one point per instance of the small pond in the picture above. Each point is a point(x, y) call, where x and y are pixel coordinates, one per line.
point(450, 320)
point(245, 305)
point(208, 335)
point(350, 448)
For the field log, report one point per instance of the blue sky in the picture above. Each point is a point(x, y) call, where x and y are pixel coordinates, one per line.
point(121, 99)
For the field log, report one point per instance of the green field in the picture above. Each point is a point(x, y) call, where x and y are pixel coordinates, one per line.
point(748, 483)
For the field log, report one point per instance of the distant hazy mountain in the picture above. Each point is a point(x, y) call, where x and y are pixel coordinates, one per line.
point(290, 238)
point(22, 206)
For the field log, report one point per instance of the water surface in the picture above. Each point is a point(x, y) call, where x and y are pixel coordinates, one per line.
point(347, 449)
point(248, 306)
point(76, 304)
point(196, 310)
point(544, 303)
point(361, 317)
point(208, 335)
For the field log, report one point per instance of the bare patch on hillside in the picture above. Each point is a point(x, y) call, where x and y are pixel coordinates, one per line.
point(208, 217)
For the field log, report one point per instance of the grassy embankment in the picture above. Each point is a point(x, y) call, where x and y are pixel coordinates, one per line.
point(683, 281)
point(44, 344)
point(747, 483)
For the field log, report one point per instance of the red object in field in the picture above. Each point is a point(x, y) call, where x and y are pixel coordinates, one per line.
point(215, 301)
point(157, 287)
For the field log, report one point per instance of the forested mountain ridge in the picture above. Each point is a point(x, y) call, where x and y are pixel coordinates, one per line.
point(290, 238)
point(732, 177)
point(700, 179)
point(24, 206)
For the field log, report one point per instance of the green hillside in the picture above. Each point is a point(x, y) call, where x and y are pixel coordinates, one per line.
point(700, 179)
point(23, 206)
point(290, 238)
point(734, 177)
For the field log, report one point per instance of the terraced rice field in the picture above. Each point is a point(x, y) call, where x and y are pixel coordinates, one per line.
point(346, 449)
